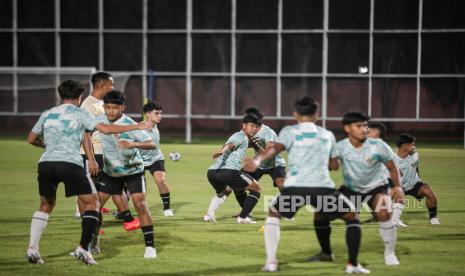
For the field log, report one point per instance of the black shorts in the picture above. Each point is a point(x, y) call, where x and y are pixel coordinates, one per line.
point(415, 191)
point(99, 160)
point(50, 174)
point(358, 198)
point(157, 166)
point(327, 201)
point(274, 173)
point(235, 179)
point(135, 183)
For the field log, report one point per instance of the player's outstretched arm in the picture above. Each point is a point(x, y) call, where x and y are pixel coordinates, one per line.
point(224, 149)
point(146, 145)
point(35, 140)
point(251, 165)
point(111, 129)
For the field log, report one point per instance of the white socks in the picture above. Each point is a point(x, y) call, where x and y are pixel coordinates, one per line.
point(215, 204)
point(272, 233)
point(38, 224)
point(397, 209)
point(388, 233)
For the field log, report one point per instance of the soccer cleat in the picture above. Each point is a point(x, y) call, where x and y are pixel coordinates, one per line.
point(321, 257)
point(77, 215)
point(132, 225)
point(391, 259)
point(209, 218)
point(84, 256)
point(95, 250)
point(359, 269)
point(270, 267)
point(150, 252)
point(34, 257)
point(105, 210)
point(434, 221)
point(246, 220)
point(168, 213)
point(400, 223)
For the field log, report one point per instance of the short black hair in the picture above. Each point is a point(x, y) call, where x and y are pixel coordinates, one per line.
point(151, 105)
point(254, 110)
point(70, 90)
point(251, 118)
point(379, 126)
point(405, 138)
point(99, 76)
point(306, 106)
point(354, 117)
point(114, 97)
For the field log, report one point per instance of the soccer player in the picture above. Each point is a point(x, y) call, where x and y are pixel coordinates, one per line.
point(275, 167)
point(154, 160)
point(62, 128)
point(375, 131)
point(102, 83)
point(363, 160)
point(411, 182)
point(124, 167)
point(226, 171)
point(312, 153)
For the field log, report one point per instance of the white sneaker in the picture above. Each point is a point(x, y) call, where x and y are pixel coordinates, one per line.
point(270, 267)
point(434, 221)
point(391, 259)
point(150, 252)
point(33, 256)
point(359, 269)
point(168, 213)
point(84, 256)
point(209, 218)
point(400, 223)
point(246, 220)
point(77, 215)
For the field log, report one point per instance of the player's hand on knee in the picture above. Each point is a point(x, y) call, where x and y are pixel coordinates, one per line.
point(398, 194)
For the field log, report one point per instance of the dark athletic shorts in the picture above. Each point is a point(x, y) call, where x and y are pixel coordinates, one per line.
point(135, 183)
point(235, 179)
point(327, 201)
point(51, 173)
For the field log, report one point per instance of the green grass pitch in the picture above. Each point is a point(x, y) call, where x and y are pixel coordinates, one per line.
point(188, 246)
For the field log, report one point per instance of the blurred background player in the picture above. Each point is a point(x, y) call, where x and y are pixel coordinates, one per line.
point(154, 161)
point(226, 171)
point(124, 167)
point(312, 153)
point(102, 83)
point(378, 131)
point(62, 128)
point(408, 161)
point(363, 160)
